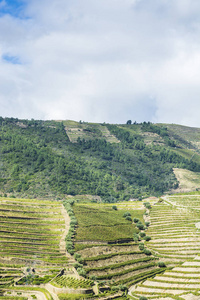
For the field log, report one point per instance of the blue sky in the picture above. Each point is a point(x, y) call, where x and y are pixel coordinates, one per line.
point(107, 60)
point(12, 7)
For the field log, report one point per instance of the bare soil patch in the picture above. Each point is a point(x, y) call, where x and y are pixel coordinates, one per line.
point(95, 251)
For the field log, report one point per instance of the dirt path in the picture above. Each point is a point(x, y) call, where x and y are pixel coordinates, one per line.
point(62, 241)
point(39, 295)
point(67, 225)
point(53, 295)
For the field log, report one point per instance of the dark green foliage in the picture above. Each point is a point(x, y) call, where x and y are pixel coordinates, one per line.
point(143, 298)
point(147, 205)
point(128, 218)
point(140, 226)
point(127, 214)
point(136, 237)
point(37, 159)
point(114, 207)
point(141, 246)
point(35, 279)
point(77, 265)
point(136, 220)
point(142, 234)
point(161, 264)
point(147, 238)
point(162, 131)
point(81, 272)
point(147, 251)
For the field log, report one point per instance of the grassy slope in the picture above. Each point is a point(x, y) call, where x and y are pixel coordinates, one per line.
point(188, 180)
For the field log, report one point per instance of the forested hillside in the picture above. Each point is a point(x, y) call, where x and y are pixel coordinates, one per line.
point(116, 162)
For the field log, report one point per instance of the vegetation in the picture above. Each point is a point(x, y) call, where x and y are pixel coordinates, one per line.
point(108, 236)
point(66, 281)
point(39, 158)
point(98, 222)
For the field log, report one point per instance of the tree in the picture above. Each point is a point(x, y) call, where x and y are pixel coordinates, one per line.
point(129, 122)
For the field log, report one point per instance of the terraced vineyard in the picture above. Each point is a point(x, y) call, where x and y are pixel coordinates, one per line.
point(176, 240)
point(30, 234)
point(104, 241)
point(88, 131)
point(67, 281)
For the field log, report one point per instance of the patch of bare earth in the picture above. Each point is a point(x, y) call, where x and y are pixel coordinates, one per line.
point(95, 251)
point(188, 180)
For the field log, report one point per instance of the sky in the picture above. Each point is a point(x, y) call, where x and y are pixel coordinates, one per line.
point(101, 61)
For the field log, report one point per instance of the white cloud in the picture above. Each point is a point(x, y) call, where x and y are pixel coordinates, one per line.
point(102, 61)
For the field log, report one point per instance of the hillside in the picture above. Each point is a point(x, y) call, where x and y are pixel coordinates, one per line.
point(75, 220)
point(50, 159)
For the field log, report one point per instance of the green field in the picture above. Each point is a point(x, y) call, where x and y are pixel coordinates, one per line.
point(98, 222)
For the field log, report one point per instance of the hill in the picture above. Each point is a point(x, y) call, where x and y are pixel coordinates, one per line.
point(95, 174)
point(50, 159)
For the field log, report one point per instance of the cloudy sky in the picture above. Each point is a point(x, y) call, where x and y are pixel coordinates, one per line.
point(107, 60)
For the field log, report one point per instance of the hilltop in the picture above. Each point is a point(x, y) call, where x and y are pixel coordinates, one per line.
point(51, 159)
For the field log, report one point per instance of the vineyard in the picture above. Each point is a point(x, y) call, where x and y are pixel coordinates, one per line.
point(99, 222)
point(176, 241)
point(66, 281)
point(30, 233)
point(104, 243)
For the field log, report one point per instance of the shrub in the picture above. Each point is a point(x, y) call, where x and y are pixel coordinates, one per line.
point(140, 226)
point(142, 234)
point(69, 245)
point(126, 214)
point(161, 264)
point(81, 272)
point(135, 220)
point(147, 251)
point(143, 298)
point(93, 277)
point(147, 224)
point(147, 238)
point(77, 265)
point(128, 218)
point(114, 207)
point(141, 246)
point(123, 288)
point(70, 251)
point(136, 237)
point(77, 255)
point(80, 260)
point(147, 205)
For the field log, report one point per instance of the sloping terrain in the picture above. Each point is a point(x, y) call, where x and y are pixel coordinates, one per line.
point(176, 240)
point(104, 243)
point(30, 233)
point(188, 180)
point(52, 159)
